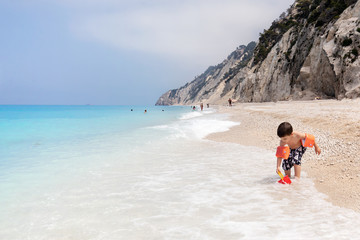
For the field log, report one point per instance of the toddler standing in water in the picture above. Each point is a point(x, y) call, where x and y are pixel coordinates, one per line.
point(291, 154)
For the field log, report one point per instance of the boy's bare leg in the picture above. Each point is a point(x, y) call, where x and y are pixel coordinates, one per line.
point(297, 171)
point(288, 172)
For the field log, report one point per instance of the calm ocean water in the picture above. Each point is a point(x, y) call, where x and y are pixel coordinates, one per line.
point(106, 172)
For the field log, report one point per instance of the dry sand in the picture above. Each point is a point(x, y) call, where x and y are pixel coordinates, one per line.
point(336, 126)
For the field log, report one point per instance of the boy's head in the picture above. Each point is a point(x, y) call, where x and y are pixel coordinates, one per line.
point(285, 129)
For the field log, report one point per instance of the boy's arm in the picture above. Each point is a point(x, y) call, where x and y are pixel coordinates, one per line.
point(302, 136)
point(279, 159)
point(317, 148)
point(278, 164)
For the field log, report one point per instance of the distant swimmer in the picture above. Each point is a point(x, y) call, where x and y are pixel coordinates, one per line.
point(230, 102)
point(131, 109)
point(145, 111)
point(207, 105)
point(201, 106)
point(194, 108)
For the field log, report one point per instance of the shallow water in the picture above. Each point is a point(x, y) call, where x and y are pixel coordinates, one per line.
point(156, 178)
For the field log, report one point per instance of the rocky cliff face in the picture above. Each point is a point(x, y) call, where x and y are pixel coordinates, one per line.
point(312, 51)
point(214, 83)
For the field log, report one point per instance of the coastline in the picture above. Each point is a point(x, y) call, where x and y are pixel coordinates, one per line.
point(336, 126)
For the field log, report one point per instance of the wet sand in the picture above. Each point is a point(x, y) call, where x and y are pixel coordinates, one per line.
point(336, 126)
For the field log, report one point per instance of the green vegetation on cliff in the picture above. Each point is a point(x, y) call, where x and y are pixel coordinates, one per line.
point(317, 12)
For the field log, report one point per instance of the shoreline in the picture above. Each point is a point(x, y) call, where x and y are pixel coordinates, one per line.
point(336, 126)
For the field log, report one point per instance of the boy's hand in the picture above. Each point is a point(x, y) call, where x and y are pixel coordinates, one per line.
point(317, 149)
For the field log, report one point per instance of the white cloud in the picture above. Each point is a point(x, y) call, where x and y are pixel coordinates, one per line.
point(188, 30)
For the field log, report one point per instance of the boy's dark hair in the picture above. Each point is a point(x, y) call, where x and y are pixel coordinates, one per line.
point(284, 129)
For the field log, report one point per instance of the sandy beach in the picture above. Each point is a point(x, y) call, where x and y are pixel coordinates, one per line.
point(336, 126)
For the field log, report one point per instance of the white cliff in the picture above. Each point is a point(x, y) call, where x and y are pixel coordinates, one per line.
point(312, 52)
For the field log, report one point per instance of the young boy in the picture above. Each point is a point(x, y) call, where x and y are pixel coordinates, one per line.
point(297, 142)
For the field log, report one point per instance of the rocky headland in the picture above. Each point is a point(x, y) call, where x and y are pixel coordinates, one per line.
point(310, 52)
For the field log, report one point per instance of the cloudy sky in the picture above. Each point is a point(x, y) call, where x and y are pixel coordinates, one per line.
point(120, 52)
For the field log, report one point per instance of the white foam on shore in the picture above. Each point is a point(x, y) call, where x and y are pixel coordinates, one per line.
point(197, 125)
point(190, 115)
point(195, 114)
point(191, 190)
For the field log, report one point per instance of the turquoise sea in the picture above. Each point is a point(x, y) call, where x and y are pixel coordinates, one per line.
point(115, 172)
